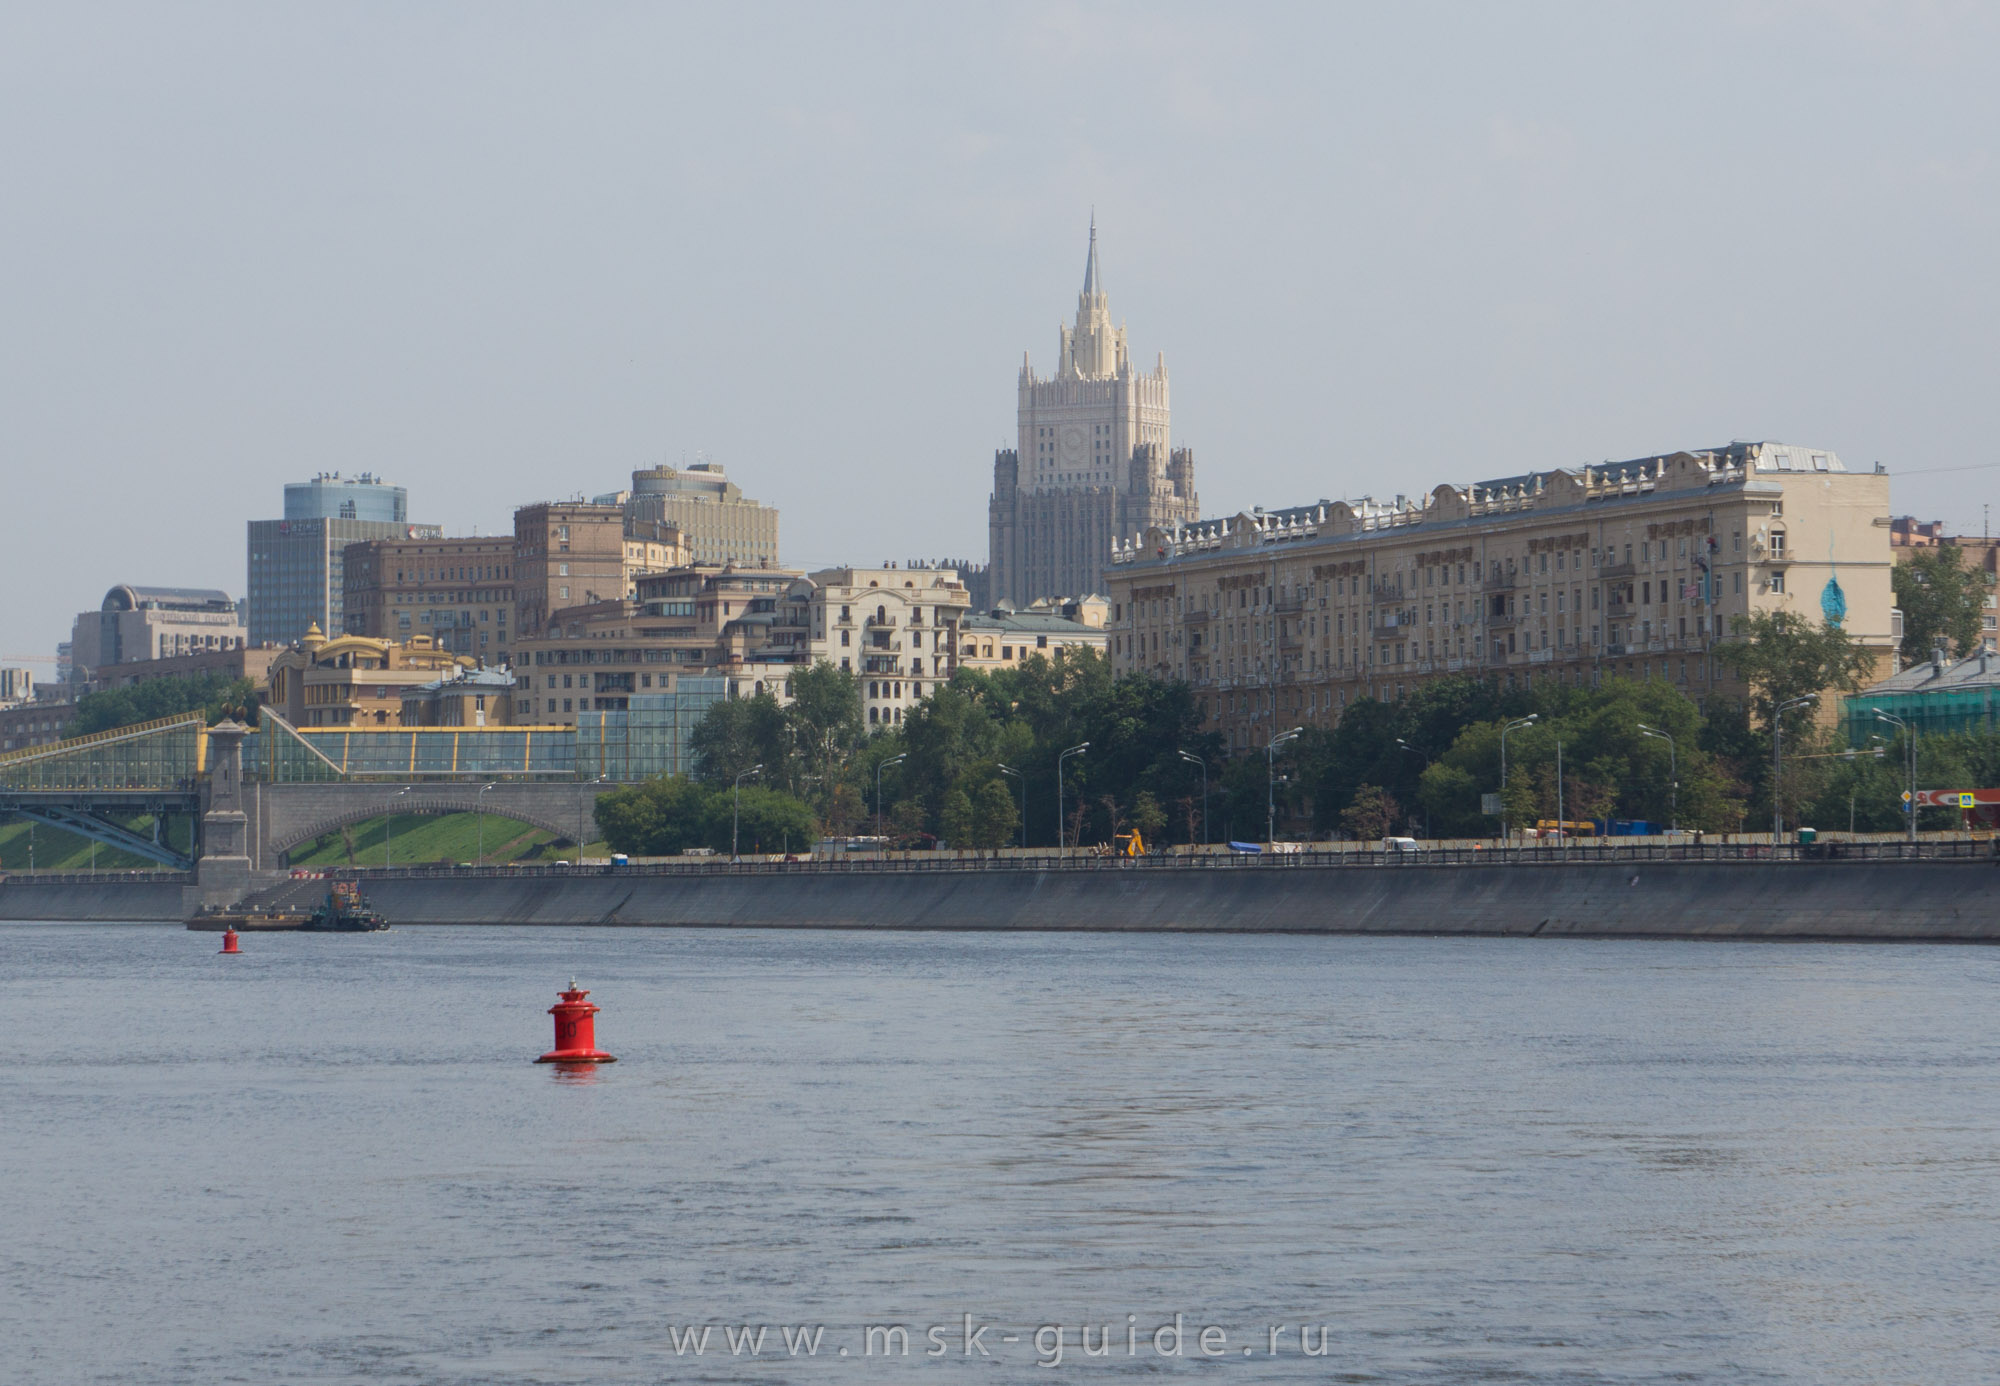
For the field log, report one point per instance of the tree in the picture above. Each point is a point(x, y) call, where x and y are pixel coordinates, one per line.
point(956, 817)
point(771, 821)
point(825, 717)
point(738, 733)
point(151, 699)
point(1371, 815)
point(660, 817)
point(1147, 815)
point(1782, 655)
point(1942, 602)
point(994, 817)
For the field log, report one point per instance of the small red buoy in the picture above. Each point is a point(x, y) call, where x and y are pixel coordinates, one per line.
point(229, 941)
point(576, 1031)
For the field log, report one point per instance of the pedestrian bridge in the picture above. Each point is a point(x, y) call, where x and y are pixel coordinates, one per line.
point(296, 784)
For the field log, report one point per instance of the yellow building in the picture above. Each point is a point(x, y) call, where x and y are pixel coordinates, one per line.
point(1630, 569)
point(353, 680)
point(1002, 639)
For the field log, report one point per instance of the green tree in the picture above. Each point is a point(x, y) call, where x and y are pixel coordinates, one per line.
point(825, 719)
point(738, 733)
point(1782, 655)
point(1147, 815)
point(1942, 601)
point(772, 821)
point(1371, 814)
point(957, 817)
point(151, 699)
point(660, 817)
point(994, 818)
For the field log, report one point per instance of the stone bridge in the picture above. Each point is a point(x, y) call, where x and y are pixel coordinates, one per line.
point(282, 816)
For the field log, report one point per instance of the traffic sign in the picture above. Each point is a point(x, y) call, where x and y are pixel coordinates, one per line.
point(1906, 796)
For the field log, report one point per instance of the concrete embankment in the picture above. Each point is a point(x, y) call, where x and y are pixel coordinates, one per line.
point(134, 897)
point(1911, 900)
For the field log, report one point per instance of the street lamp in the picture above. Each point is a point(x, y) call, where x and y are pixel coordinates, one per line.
point(1909, 754)
point(1778, 765)
point(1515, 725)
point(1271, 780)
point(1061, 837)
point(1673, 775)
point(1427, 765)
point(1010, 770)
point(479, 857)
point(1197, 760)
point(736, 814)
point(389, 823)
point(880, 766)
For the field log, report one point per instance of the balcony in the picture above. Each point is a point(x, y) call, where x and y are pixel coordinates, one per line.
point(879, 664)
point(1504, 582)
point(1617, 570)
point(1502, 622)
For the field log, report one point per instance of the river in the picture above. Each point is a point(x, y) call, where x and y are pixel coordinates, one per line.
point(1446, 1160)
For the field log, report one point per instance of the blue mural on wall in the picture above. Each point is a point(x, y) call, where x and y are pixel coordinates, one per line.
point(1833, 601)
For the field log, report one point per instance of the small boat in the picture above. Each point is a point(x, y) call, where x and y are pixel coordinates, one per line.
point(345, 911)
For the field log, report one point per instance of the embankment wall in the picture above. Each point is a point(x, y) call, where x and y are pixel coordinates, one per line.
point(1911, 901)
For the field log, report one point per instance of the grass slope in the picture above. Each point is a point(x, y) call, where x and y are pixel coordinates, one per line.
point(56, 850)
point(422, 839)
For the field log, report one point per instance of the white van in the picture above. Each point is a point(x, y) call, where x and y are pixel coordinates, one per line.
point(1400, 844)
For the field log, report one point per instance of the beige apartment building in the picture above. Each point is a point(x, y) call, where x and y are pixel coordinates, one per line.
point(1003, 638)
point(457, 591)
point(748, 624)
point(1628, 569)
point(576, 553)
point(897, 628)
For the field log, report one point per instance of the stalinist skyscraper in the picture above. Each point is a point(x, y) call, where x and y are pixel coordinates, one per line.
point(1093, 460)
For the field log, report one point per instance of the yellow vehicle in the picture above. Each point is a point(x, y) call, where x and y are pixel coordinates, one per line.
point(1129, 845)
point(1552, 827)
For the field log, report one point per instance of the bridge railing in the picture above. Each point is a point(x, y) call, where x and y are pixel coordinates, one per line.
point(1526, 858)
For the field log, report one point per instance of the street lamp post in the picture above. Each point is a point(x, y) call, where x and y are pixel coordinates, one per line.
point(1010, 770)
point(1778, 763)
point(389, 823)
point(736, 814)
point(1515, 725)
point(1271, 780)
point(880, 766)
point(1909, 754)
point(1062, 837)
point(479, 857)
point(1197, 760)
point(1673, 775)
point(1427, 765)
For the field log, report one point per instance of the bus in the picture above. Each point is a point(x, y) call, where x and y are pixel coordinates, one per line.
point(1563, 827)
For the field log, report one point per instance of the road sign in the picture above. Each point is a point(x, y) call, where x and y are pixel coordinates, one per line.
point(1490, 804)
point(1965, 801)
point(1906, 796)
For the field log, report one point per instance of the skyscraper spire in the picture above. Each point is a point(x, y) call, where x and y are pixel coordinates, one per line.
point(1090, 265)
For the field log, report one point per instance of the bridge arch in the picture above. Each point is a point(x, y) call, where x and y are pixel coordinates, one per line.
point(428, 806)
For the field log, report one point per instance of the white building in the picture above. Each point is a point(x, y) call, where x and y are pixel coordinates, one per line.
point(895, 628)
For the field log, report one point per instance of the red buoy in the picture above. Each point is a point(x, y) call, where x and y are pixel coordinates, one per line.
point(229, 941)
point(576, 1031)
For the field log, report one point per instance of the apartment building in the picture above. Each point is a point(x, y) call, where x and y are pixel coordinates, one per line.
point(747, 624)
point(897, 628)
point(457, 591)
point(1003, 638)
point(576, 553)
point(1630, 569)
point(717, 522)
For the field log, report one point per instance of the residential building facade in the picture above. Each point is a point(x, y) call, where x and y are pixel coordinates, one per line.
point(896, 628)
point(1093, 460)
point(1630, 569)
point(297, 565)
point(458, 591)
point(576, 553)
point(1981, 553)
point(746, 625)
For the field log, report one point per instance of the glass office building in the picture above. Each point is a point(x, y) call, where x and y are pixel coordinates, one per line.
point(296, 565)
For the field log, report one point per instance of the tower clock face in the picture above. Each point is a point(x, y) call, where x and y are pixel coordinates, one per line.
point(1072, 444)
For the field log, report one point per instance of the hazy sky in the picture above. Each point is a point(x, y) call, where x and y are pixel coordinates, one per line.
point(503, 253)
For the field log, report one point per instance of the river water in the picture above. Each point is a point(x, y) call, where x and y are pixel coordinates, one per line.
point(1450, 1160)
